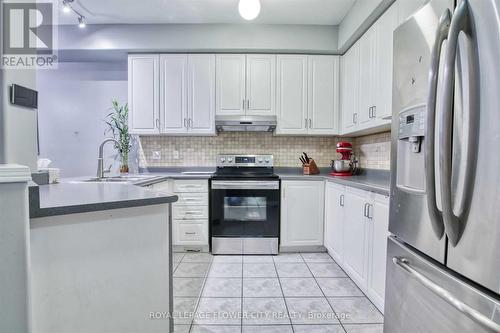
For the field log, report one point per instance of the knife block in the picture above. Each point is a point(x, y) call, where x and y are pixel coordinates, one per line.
point(311, 168)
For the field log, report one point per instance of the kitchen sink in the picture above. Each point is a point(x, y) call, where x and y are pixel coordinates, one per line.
point(197, 172)
point(121, 179)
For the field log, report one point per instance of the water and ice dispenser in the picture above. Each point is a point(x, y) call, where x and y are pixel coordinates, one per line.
point(411, 163)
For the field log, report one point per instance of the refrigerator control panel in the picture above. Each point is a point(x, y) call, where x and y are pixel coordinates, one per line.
point(412, 122)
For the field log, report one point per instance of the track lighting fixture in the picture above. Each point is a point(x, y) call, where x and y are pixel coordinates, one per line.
point(68, 8)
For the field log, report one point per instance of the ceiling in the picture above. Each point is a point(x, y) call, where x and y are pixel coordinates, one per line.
point(316, 12)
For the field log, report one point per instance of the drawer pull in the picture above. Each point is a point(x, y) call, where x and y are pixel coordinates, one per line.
point(190, 233)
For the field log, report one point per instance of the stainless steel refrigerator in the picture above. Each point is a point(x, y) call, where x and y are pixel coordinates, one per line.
point(443, 269)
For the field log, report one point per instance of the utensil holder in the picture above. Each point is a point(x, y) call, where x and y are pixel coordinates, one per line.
point(311, 168)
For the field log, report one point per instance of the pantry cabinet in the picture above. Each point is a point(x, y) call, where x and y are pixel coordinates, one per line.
point(356, 230)
point(143, 93)
point(172, 94)
point(245, 84)
point(302, 215)
point(307, 95)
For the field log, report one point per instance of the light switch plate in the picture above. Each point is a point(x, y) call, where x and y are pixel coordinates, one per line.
point(156, 155)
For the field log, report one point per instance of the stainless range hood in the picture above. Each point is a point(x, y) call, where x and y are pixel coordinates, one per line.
point(245, 123)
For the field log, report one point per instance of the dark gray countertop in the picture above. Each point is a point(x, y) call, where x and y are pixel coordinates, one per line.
point(78, 197)
point(377, 181)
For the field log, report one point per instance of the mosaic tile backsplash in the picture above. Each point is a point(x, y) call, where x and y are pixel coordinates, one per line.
point(373, 150)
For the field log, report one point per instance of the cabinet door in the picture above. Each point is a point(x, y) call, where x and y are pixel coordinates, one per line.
point(260, 84)
point(291, 102)
point(349, 89)
point(334, 220)
point(366, 74)
point(323, 94)
point(230, 84)
point(355, 237)
point(173, 96)
point(201, 94)
point(379, 224)
point(143, 91)
point(302, 216)
point(384, 28)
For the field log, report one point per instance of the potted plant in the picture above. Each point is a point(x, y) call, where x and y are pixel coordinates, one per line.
point(117, 121)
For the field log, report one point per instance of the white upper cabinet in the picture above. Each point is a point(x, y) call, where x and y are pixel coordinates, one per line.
point(302, 218)
point(291, 104)
point(246, 84)
point(230, 84)
point(173, 93)
point(307, 95)
point(323, 91)
point(143, 91)
point(367, 74)
point(349, 89)
point(201, 94)
point(383, 64)
point(260, 84)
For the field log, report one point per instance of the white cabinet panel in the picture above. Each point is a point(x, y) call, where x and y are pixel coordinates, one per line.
point(356, 237)
point(323, 72)
point(190, 232)
point(291, 102)
point(173, 97)
point(143, 91)
point(334, 220)
point(190, 185)
point(230, 84)
point(367, 75)
point(201, 93)
point(302, 217)
point(379, 224)
point(349, 89)
point(260, 84)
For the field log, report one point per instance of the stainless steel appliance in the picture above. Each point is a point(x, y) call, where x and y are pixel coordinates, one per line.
point(245, 123)
point(443, 267)
point(245, 205)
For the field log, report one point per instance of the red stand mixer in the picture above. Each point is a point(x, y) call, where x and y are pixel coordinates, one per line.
point(347, 165)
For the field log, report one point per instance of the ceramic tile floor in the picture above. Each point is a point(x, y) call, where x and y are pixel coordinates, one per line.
point(288, 293)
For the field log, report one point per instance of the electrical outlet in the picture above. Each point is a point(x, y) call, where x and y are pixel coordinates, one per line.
point(177, 154)
point(156, 155)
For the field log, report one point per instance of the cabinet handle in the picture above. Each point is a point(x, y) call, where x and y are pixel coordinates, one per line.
point(248, 104)
point(341, 203)
point(374, 111)
point(157, 123)
point(365, 210)
point(190, 122)
point(369, 213)
point(310, 123)
point(185, 123)
point(306, 122)
point(355, 118)
point(370, 112)
point(190, 233)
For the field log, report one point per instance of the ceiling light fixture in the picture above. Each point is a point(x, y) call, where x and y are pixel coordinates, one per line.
point(68, 8)
point(249, 9)
point(81, 22)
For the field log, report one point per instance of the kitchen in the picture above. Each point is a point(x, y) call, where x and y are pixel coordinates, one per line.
point(269, 170)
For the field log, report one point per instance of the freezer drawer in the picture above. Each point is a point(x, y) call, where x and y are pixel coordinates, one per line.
point(412, 301)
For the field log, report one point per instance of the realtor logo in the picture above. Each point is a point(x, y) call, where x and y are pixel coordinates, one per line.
point(28, 35)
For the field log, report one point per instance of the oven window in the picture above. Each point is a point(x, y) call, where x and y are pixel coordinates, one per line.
point(238, 208)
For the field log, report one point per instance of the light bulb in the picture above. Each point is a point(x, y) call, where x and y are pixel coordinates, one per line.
point(81, 22)
point(249, 9)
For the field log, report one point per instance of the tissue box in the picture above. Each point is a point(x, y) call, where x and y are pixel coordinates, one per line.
point(53, 174)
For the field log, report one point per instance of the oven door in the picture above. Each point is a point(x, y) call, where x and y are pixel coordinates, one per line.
point(245, 208)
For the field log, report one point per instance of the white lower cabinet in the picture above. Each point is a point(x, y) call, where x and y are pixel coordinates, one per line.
point(356, 230)
point(189, 213)
point(302, 217)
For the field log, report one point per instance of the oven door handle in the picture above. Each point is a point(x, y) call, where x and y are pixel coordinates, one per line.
point(245, 185)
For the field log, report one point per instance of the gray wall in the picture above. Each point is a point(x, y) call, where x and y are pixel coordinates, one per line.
point(73, 103)
point(110, 42)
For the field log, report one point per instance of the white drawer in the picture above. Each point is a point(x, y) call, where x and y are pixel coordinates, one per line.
point(189, 233)
point(190, 199)
point(180, 212)
point(190, 185)
point(162, 186)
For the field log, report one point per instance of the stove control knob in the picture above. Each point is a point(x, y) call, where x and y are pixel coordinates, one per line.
point(222, 159)
point(267, 160)
point(230, 160)
point(260, 160)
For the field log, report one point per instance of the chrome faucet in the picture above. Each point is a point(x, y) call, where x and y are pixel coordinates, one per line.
point(100, 159)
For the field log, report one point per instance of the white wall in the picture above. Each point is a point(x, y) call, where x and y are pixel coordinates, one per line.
point(108, 40)
point(73, 103)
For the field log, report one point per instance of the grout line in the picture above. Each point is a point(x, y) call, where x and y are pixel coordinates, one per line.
point(201, 293)
point(283, 295)
point(326, 298)
point(241, 308)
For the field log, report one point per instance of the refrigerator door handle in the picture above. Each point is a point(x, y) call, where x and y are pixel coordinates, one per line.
point(447, 296)
point(435, 214)
point(460, 22)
